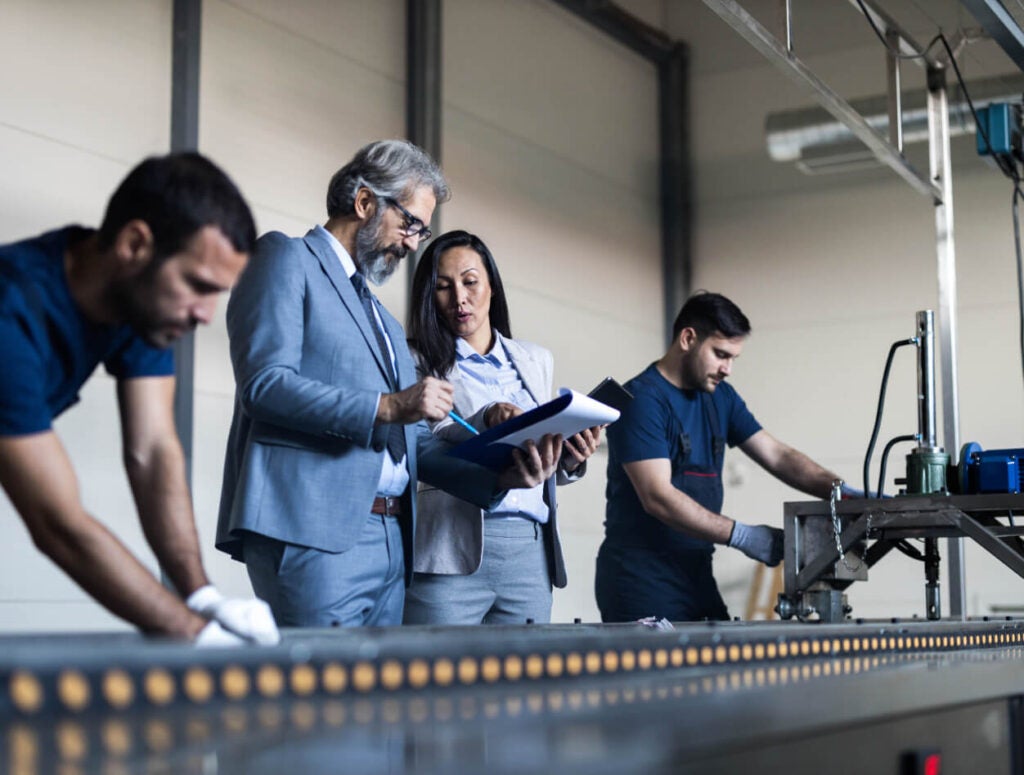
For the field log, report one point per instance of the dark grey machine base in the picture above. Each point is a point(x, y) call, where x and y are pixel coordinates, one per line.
point(868, 697)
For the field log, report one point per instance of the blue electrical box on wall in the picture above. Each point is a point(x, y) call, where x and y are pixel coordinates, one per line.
point(999, 122)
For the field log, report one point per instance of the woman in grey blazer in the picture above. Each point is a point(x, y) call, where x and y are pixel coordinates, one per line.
point(474, 566)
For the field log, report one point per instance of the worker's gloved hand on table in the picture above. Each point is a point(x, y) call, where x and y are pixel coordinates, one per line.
point(758, 542)
point(249, 621)
point(213, 636)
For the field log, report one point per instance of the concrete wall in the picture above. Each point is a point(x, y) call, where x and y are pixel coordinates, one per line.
point(559, 180)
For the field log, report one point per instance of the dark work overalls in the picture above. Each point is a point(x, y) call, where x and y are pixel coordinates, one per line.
point(664, 573)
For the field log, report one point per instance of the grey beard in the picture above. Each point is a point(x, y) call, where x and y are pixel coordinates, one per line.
point(375, 267)
point(371, 258)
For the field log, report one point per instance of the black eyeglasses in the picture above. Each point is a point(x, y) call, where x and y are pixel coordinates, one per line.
point(413, 226)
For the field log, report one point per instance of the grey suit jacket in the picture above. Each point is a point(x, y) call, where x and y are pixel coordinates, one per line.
point(449, 533)
point(304, 457)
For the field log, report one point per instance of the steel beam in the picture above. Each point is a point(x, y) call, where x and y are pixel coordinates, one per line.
point(895, 93)
point(1007, 555)
point(423, 87)
point(907, 46)
point(675, 178)
point(941, 172)
point(186, 27)
point(633, 33)
point(762, 40)
point(998, 23)
point(812, 571)
point(675, 181)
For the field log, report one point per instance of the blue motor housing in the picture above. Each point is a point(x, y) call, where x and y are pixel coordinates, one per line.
point(990, 471)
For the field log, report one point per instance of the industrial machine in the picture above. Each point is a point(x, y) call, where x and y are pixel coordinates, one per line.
point(831, 544)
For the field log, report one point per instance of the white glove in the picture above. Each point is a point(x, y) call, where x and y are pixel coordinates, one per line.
point(250, 620)
point(216, 637)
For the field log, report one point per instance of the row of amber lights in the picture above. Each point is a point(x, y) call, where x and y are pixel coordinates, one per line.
point(199, 685)
point(70, 741)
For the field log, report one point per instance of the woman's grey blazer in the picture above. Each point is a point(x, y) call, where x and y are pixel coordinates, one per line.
point(450, 531)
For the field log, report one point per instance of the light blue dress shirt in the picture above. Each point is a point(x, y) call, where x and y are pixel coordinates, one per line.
point(394, 477)
point(488, 379)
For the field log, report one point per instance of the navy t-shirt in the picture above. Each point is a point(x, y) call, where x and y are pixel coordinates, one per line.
point(48, 349)
point(649, 429)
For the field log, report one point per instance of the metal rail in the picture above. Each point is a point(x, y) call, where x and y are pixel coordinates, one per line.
point(775, 51)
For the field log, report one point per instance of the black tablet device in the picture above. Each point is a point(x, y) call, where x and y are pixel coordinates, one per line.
point(612, 394)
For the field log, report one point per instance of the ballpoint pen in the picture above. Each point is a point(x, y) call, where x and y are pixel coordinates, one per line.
point(463, 423)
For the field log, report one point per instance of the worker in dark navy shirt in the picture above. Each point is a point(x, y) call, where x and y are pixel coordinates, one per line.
point(176, 234)
point(664, 492)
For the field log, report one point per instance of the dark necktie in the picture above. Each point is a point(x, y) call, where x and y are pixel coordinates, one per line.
point(396, 432)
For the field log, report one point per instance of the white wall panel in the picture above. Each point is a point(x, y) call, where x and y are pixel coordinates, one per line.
point(94, 76)
point(288, 93)
point(551, 146)
point(86, 95)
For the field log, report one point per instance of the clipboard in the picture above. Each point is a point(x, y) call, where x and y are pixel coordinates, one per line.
point(567, 414)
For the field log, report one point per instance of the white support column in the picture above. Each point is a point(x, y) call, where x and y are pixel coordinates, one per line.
point(940, 168)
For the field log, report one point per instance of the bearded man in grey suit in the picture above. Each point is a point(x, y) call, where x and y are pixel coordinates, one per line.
point(329, 437)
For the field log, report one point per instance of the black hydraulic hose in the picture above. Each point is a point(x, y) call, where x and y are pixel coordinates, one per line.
point(885, 459)
point(878, 414)
point(1020, 269)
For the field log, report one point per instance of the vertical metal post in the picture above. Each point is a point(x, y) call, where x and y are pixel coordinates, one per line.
point(423, 82)
point(940, 168)
point(895, 94)
point(926, 379)
point(186, 25)
point(676, 180)
point(785, 13)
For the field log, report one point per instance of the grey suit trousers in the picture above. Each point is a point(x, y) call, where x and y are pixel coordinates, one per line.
point(511, 586)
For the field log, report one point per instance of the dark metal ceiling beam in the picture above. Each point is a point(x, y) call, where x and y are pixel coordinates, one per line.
point(186, 25)
point(675, 179)
point(633, 33)
point(423, 88)
point(1000, 24)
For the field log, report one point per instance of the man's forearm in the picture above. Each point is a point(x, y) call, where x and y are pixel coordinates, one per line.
point(799, 471)
point(165, 511)
point(100, 564)
point(681, 512)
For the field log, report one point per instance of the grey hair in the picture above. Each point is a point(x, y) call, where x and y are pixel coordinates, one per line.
point(391, 168)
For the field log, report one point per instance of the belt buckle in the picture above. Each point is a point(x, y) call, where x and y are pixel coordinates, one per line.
point(390, 503)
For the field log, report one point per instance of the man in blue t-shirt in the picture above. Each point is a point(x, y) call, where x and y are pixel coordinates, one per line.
point(664, 474)
point(176, 234)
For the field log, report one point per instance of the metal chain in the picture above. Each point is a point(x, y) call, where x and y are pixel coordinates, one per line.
point(837, 527)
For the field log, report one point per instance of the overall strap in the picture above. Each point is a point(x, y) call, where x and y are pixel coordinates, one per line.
point(717, 436)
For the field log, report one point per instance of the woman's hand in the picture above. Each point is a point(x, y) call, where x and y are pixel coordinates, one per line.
point(499, 412)
point(532, 465)
point(580, 447)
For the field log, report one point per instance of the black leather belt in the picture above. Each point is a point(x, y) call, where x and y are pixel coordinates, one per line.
point(389, 506)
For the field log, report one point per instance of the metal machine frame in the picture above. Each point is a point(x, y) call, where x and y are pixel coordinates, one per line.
point(815, 576)
point(936, 186)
